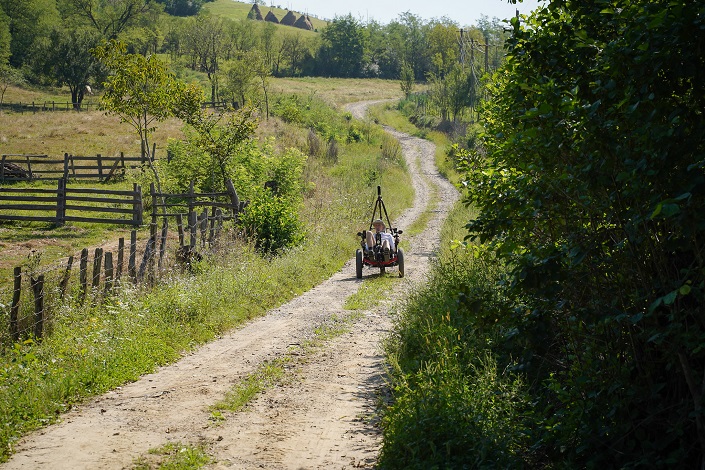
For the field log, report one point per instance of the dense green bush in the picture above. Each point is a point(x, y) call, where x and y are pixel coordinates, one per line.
point(592, 194)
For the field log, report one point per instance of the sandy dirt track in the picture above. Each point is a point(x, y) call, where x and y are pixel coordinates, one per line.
point(322, 418)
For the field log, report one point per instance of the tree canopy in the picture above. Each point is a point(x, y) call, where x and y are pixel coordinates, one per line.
point(592, 194)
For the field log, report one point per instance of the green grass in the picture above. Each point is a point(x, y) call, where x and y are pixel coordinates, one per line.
point(174, 456)
point(372, 291)
point(452, 407)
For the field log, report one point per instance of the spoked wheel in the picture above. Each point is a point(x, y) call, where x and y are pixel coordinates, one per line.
point(400, 261)
point(358, 264)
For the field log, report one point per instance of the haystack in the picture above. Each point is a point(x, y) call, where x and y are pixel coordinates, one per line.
point(289, 19)
point(254, 13)
point(271, 17)
point(304, 23)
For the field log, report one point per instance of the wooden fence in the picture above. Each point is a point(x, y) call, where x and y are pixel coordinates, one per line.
point(23, 167)
point(51, 106)
point(96, 280)
point(65, 204)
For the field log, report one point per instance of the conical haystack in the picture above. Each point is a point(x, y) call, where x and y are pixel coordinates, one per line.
point(304, 23)
point(289, 19)
point(254, 13)
point(271, 17)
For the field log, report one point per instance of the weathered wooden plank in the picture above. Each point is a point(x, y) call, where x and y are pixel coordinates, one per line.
point(83, 273)
point(38, 290)
point(15, 307)
point(106, 200)
point(70, 218)
point(110, 210)
point(28, 218)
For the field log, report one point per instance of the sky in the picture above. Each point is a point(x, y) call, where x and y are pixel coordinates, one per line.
point(464, 12)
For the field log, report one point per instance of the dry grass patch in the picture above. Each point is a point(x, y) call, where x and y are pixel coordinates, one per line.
point(77, 133)
point(339, 91)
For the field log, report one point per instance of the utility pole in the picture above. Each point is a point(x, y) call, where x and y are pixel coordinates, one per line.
point(462, 47)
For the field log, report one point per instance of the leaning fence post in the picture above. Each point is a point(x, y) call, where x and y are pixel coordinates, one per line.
point(234, 199)
point(64, 284)
point(15, 308)
point(153, 253)
point(38, 289)
point(97, 261)
point(83, 273)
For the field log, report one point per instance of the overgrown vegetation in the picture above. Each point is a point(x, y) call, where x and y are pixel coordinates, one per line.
point(567, 333)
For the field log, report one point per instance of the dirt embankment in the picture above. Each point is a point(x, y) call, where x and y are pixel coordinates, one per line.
point(322, 418)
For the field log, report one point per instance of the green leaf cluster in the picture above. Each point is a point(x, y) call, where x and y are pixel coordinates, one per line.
point(592, 193)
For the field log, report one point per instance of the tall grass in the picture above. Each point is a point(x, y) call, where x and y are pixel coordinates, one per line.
point(452, 407)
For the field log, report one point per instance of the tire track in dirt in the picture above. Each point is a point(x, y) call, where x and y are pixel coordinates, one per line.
point(320, 419)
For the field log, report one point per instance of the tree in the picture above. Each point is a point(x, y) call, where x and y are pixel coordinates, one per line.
point(407, 79)
point(69, 61)
point(592, 194)
point(29, 22)
point(5, 39)
point(109, 18)
point(208, 43)
point(443, 47)
point(141, 92)
point(342, 49)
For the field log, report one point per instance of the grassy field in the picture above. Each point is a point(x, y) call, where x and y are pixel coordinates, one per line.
point(238, 11)
point(339, 91)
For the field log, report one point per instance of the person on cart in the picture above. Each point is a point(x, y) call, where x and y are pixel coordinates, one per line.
point(386, 240)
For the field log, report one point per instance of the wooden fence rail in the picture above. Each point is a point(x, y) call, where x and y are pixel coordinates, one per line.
point(20, 167)
point(66, 204)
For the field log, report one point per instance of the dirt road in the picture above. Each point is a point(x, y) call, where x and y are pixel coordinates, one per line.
point(323, 417)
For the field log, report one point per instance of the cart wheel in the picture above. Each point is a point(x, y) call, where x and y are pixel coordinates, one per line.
point(358, 264)
point(400, 261)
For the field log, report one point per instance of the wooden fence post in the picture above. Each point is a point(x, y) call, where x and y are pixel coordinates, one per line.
point(137, 207)
point(2, 169)
point(97, 261)
point(211, 233)
point(38, 290)
point(64, 283)
point(153, 252)
point(203, 226)
point(120, 258)
point(162, 242)
point(100, 167)
point(108, 272)
point(153, 195)
point(180, 228)
point(83, 273)
point(192, 222)
point(234, 199)
point(131, 268)
point(61, 203)
point(66, 166)
point(15, 308)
